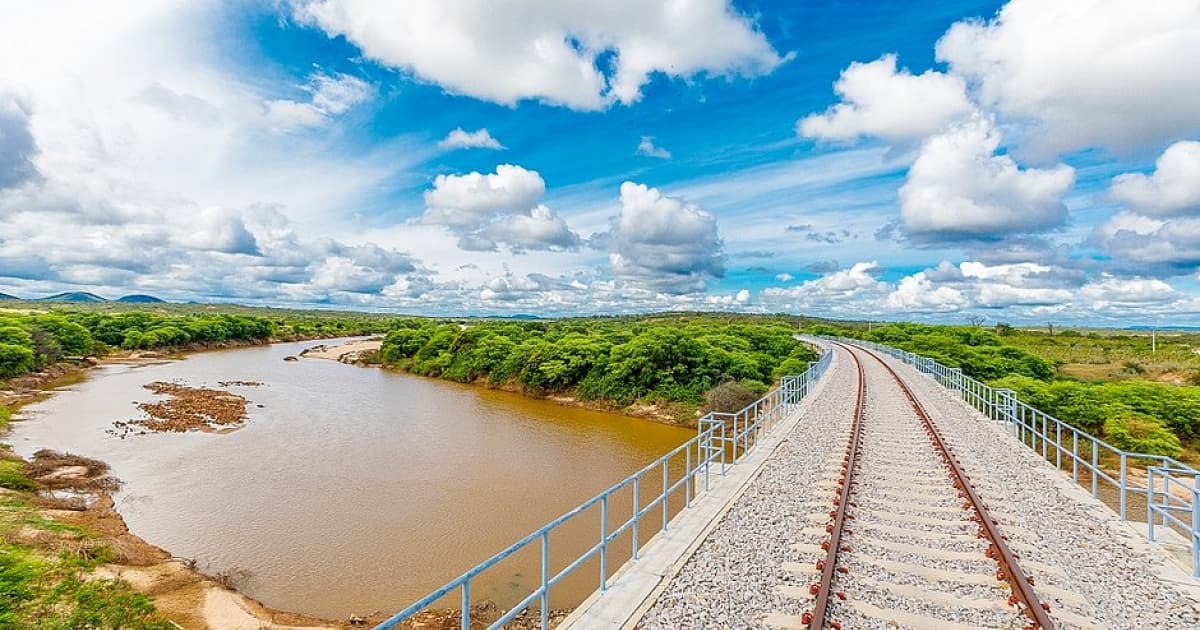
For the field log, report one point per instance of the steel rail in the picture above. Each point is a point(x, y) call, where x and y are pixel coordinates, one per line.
point(816, 619)
point(998, 550)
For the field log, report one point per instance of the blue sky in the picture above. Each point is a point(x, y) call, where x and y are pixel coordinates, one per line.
point(1023, 161)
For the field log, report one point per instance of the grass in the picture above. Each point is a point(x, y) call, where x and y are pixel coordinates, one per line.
point(1114, 355)
point(12, 476)
point(46, 568)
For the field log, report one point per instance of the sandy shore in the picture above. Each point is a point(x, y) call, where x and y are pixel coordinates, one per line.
point(348, 352)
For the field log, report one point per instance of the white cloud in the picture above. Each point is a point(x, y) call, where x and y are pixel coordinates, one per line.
point(539, 229)
point(959, 187)
point(478, 139)
point(17, 146)
point(664, 243)
point(1173, 187)
point(466, 200)
point(897, 106)
point(846, 292)
point(1169, 246)
point(1113, 292)
point(917, 293)
point(155, 170)
point(784, 277)
point(647, 148)
point(549, 51)
point(485, 210)
point(1104, 73)
point(1015, 284)
point(329, 96)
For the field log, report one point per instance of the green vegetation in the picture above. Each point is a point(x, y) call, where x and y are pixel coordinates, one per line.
point(671, 360)
point(42, 585)
point(1115, 355)
point(1126, 409)
point(33, 340)
point(981, 354)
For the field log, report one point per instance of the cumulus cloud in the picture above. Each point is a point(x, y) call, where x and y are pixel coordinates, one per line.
point(959, 187)
point(647, 148)
point(664, 243)
point(485, 210)
point(1170, 246)
point(478, 139)
point(1160, 233)
point(1085, 72)
point(1173, 187)
point(583, 55)
point(1113, 292)
point(17, 146)
point(918, 293)
point(1026, 284)
point(159, 174)
point(895, 105)
point(843, 292)
point(329, 95)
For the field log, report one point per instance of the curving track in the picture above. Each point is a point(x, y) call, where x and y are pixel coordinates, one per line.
point(908, 541)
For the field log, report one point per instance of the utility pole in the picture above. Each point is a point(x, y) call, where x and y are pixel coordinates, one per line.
point(1154, 340)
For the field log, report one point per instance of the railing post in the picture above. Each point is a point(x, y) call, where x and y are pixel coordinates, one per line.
point(1058, 449)
point(466, 604)
point(688, 476)
point(1150, 503)
point(635, 518)
point(604, 543)
point(545, 580)
point(1075, 456)
point(1095, 470)
point(1196, 526)
point(1124, 483)
point(665, 496)
point(1006, 405)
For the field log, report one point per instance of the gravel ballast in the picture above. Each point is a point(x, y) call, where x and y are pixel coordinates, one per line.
point(1085, 564)
point(1094, 554)
point(730, 581)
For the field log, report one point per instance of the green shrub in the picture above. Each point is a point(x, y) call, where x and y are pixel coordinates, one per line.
point(1140, 433)
point(15, 360)
point(12, 476)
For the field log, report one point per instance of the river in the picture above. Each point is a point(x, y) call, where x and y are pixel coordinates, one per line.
point(350, 489)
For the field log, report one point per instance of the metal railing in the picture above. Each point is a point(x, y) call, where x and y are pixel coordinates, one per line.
point(1171, 489)
point(722, 440)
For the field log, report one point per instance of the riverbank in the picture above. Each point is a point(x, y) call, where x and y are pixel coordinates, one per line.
point(363, 353)
point(180, 593)
point(55, 505)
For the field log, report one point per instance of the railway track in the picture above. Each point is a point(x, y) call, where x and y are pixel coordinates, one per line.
point(905, 540)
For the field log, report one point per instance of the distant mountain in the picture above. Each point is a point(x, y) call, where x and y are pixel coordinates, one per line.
point(138, 298)
point(5, 296)
point(73, 296)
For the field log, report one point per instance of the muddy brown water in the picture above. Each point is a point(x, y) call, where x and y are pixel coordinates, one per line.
point(354, 489)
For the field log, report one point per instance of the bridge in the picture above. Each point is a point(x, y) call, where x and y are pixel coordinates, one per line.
point(879, 489)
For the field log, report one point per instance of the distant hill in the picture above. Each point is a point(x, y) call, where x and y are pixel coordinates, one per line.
point(5, 296)
point(138, 298)
point(73, 296)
